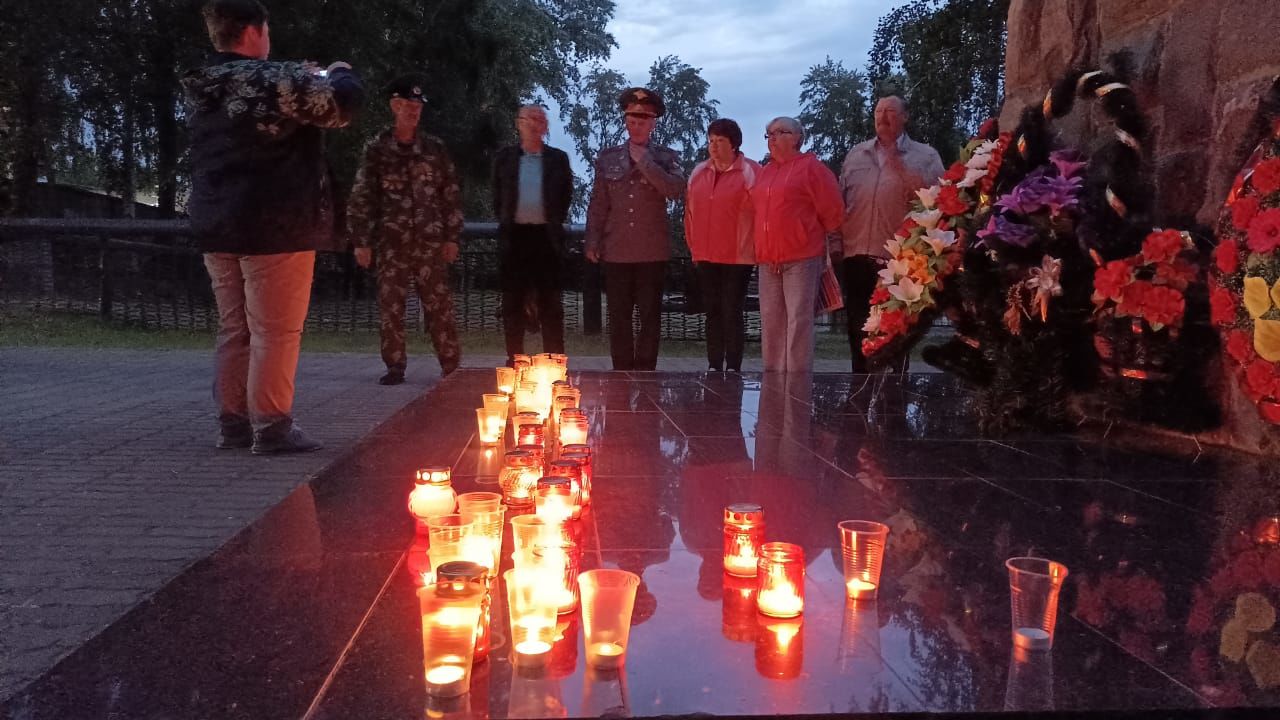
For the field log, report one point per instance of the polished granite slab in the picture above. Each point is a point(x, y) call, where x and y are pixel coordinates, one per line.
point(312, 612)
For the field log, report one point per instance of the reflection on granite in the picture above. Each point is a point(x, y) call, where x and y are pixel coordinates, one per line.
point(1175, 570)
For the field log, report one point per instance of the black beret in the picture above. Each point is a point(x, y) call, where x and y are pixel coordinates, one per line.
point(407, 87)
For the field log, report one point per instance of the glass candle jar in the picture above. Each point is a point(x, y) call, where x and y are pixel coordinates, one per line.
point(566, 398)
point(450, 538)
point(743, 536)
point(573, 427)
point(432, 493)
point(554, 500)
point(519, 478)
point(526, 396)
point(780, 580)
point(497, 402)
point(461, 571)
point(450, 618)
point(571, 469)
point(539, 457)
point(531, 433)
point(581, 453)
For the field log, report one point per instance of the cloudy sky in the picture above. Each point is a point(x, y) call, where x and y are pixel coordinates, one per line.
point(752, 52)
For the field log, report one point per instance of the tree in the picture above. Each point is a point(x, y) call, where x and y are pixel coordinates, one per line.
point(689, 111)
point(833, 111)
point(949, 58)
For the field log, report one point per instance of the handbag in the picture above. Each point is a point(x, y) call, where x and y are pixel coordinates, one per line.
point(829, 298)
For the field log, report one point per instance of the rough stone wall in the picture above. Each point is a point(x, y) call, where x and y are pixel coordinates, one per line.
point(1198, 67)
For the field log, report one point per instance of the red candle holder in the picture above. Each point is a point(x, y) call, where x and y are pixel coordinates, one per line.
point(554, 499)
point(581, 453)
point(571, 469)
point(780, 580)
point(519, 478)
point(743, 536)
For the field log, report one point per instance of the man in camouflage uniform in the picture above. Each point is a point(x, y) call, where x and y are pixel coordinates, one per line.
point(627, 228)
point(405, 206)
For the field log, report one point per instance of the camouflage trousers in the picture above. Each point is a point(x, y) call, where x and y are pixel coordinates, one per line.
point(432, 281)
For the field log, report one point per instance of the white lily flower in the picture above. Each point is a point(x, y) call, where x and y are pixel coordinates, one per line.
point(873, 321)
point(987, 147)
point(978, 162)
point(940, 240)
point(893, 270)
point(907, 290)
point(929, 196)
point(894, 246)
point(971, 177)
point(928, 219)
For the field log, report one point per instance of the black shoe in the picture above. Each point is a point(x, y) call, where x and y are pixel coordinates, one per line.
point(393, 377)
point(293, 441)
point(235, 439)
point(447, 368)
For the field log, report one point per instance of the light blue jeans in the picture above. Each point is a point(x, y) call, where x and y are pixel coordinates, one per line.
point(788, 295)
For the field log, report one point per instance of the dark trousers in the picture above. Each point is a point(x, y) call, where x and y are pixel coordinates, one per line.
point(531, 266)
point(634, 287)
point(860, 274)
point(724, 295)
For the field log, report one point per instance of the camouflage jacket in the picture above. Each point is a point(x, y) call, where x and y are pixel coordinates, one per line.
point(258, 177)
point(406, 198)
point(627, 217)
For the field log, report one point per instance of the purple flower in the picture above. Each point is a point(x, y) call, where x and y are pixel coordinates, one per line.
point(1041, 191)
point(1068, 162)
point(1008, 232)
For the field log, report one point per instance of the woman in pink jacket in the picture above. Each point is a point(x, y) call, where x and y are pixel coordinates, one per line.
point(797, 203)
point(717, 225)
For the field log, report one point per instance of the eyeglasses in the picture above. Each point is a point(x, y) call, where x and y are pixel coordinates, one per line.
point(775, 133)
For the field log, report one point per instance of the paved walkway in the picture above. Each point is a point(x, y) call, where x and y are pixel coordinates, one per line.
point(110, 485)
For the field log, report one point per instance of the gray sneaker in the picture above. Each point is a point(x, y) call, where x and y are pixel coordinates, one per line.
point(293, 441)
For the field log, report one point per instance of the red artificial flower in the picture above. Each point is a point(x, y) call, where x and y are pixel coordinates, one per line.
point(1162, 246)
point(1247, 568)
point(1240, 346)
point(950, 202)
point(1261, 379)
point(893, 322)
point(1264, 231)
point(1227, 256)
point(1266, 177)
point(1222, 306)
point(1243, 210)
point(907, 226)
point(1162, 305)
point(881, 295)
point(1133, 297)
point(988, 128)
point(1110, 279)
point(955, 173)
point(1177, 274)
point(987, 184)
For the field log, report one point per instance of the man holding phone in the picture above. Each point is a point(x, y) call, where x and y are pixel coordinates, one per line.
point(260, 204)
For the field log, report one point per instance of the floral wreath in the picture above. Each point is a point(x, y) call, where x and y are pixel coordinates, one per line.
point(927, 248)
point(1244, 294)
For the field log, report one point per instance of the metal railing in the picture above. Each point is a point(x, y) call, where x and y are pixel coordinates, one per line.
point(149, 273)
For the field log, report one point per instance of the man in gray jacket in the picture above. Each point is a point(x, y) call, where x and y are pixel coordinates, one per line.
point(627, 228)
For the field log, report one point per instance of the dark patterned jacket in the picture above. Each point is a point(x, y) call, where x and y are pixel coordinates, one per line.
point(258, 179)
point(406, 200)
point(627, 217)
point(557, 191)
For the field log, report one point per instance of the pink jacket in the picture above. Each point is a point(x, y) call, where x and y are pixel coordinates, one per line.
point(797, 203)
point(718, 219)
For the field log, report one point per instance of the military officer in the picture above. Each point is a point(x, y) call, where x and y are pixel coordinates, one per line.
point(405, 208)
point(627, 228)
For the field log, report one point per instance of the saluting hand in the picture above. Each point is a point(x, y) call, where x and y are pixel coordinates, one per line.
point(364, 256)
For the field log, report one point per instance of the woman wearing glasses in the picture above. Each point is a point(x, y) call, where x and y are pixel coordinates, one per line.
point(797, 203)
point(717, 225)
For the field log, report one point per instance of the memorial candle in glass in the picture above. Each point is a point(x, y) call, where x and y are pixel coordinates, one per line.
point(506, 380)
point(432, 493)
point(450, 616)
point(780, 579)
point(461, 571)
point(554, 500)
point(743, 536)
point(519, 478)
point(582, 454)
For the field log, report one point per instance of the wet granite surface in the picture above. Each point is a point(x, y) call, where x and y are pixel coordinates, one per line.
point(312, 612)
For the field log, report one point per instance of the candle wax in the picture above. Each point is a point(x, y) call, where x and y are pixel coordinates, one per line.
point(1032, 638)
point(606, 655)
point(859, 588)
point(742, 564)
point(780, 602)
point(533, 647)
